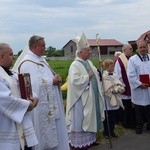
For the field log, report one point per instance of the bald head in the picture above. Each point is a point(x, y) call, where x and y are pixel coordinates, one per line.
point(3, 48)
point(6, 55)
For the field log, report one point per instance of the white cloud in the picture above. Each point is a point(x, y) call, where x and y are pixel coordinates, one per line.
point(59, 21)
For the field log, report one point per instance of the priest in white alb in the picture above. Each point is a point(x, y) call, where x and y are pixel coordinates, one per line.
point(48, 117)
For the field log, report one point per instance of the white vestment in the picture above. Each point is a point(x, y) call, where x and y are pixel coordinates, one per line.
point(48, 116)
point(112, 89)
point(81, 100)
point(13, 113)
point(135, 68)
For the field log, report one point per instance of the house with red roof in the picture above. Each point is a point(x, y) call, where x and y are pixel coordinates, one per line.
point(145, 36)
point(106, 47)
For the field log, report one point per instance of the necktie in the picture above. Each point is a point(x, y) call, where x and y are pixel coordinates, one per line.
point(144, 58)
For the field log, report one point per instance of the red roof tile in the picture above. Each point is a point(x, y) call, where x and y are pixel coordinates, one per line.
point(144, 35)
point(104, 42)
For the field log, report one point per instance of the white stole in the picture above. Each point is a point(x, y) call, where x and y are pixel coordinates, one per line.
point(14, 90)
point(124, 60)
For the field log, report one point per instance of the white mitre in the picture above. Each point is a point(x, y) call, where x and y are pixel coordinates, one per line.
point(82, 42)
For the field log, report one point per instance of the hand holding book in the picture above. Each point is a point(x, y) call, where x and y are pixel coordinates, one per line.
point(145, 79)
point(25, 85)
point(33, 103)
point(57, 80)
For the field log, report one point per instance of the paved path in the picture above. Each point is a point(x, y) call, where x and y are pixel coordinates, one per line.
point(131, 141)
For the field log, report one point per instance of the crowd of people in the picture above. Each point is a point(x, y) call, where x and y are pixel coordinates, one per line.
point(117, 92)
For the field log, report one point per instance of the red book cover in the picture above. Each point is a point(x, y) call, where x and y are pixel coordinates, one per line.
point(145, 78)
point(25, 85)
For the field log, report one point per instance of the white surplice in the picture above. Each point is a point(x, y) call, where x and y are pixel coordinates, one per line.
point(48, 116)
point(135, 68)
point(12, 114)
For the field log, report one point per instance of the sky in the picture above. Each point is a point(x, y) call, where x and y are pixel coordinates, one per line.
point(58, 21)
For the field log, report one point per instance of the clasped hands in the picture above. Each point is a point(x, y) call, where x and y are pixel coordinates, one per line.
point(57, 80)
point(91, 74)
point(33, 103)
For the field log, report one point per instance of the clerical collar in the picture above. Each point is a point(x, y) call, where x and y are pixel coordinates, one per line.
point(7, 71)
point(128, 57)
point(141, 57)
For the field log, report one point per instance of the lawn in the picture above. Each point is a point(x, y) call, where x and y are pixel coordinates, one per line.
point(61, 67)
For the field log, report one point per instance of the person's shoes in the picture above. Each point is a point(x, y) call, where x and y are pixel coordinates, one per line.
point(105, 136)
point(114, 135)
point(138, 131)
point(95, 144)
point(148, 126)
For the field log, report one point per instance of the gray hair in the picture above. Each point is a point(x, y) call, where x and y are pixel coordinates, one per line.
point(34, 40)
point(2, 47)
point(124, 47)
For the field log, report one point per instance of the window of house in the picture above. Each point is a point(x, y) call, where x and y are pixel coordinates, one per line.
point(71, 48)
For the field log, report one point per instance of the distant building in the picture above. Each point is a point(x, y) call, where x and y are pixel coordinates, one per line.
point(107, 47)
point(145, 36)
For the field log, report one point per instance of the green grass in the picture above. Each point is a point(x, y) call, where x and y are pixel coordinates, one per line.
point(61, 67)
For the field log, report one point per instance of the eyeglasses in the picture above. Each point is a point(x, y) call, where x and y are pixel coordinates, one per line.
point(142, 47)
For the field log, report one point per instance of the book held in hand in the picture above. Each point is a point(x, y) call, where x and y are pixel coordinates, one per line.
point(145, 78)
point(25, 85)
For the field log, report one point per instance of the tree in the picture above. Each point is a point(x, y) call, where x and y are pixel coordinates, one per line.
point(50, 50)
point(19, 52)
point(58, 53)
